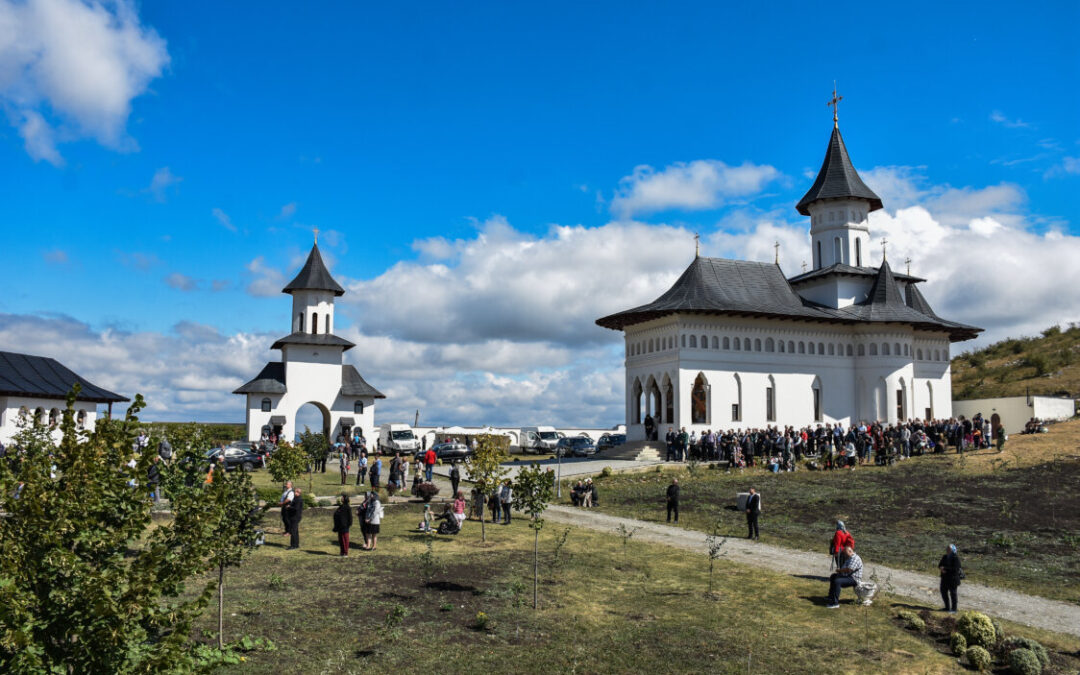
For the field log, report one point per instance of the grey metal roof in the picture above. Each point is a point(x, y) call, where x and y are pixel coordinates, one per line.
point(43, 377)
point(846, 270)
point(719, 286)
point(318, 340)
point(837, 179)
point(314, 276)
point(270, 380)
point(352, 384)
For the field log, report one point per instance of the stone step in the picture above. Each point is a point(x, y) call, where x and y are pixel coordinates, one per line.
point(633, 450)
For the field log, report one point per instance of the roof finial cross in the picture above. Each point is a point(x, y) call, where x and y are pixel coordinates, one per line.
point(697, 245)
point(884, 241)
point(908, 263)
point(804, 266)
point(776, 248)
point(316, 230)
point(835, 104)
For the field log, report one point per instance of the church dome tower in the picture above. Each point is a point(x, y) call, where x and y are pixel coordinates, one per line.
point(313, 292)
point(838, 204)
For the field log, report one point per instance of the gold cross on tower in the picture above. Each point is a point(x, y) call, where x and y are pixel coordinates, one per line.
point(884, 241)
point(316, 230)
point(835, 104)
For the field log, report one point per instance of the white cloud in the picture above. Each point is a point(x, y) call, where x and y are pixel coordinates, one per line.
point(159, 186)
point(223, 218)
point(287, 211)
point(697, 185)
point(81, 62)
point(1000, 118)
point(266, 282)
point(181, 282)
point(56, 256)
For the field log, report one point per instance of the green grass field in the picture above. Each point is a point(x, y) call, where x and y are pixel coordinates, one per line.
point(605, 607)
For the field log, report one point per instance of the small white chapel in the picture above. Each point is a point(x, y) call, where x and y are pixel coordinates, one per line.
point(311, 369)
point(738, 344)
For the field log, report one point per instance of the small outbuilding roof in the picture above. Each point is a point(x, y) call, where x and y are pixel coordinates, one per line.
point(837, 179)
point(43, 377)
point(270, 380)
point(314, 276)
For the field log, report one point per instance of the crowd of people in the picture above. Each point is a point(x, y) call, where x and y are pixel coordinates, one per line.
point(831, 446)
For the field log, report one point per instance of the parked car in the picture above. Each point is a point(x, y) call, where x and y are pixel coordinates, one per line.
point(447, 451)
point(577, 446)
point(608, 441)
point(236, 458)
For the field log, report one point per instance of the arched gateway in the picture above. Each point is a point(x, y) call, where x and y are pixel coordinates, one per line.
point(311, 368)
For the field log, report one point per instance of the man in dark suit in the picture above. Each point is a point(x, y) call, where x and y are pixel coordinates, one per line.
point(296, 514)
point(673, 500)
point(753, 510)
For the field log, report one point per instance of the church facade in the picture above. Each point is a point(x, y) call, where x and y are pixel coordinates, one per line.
point(738, 344)
point(311, 369)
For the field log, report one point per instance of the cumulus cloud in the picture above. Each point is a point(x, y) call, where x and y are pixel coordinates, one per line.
point(692, 186)
point(159, 186)
point(265, 281)
point(287, 211)
point(79, 62)
point(181, 282)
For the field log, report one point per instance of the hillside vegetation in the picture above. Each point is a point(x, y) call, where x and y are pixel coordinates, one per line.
point(1045, 365)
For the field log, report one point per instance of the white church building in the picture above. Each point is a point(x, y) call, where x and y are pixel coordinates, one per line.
point(311, 369)
point(737, 344)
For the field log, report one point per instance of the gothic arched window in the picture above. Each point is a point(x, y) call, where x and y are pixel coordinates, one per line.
point(873, 349)
point(314, 324)
point(770, 346)
point(693, 341)
point(802, 347)
point(885, 349)
point(746, 344)
point(862, 350)
point(727, 342)
point(757, 344)
point(715, 342)
point(699, 400)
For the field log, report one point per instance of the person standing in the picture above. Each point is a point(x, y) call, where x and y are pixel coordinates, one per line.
point(361, 468)
point(455, 477)
point(343, 523)
point(847, 576)
point(296, 514)
point(493, 504)
point(951, 574)
point(153, 478)
point(429, 463)
point(753, 510)
point(286, 500)
point(506, 498)
point(373, 518)
point(343, 464)
point(376, 469)
point(673, 500)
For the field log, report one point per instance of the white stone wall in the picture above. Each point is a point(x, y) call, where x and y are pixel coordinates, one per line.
point(1015, 411)
point(838, 229)
point(310, 304)
point(9, 414)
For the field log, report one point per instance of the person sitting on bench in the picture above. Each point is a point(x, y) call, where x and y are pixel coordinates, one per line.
point(847, 576)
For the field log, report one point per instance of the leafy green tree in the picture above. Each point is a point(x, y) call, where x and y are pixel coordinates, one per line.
point(237, 514)
point(287, 462)
point(187, 468)
point(87, 585)
point(486, 470)
point(534, 488)
point(316, 447)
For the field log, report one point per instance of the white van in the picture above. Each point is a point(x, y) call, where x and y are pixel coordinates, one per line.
point(397, 438)
point(538, 439)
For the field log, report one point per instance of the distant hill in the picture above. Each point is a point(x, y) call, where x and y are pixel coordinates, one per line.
point(1045, 365)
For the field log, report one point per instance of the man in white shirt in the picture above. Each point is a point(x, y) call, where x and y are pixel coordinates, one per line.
point(847, 576)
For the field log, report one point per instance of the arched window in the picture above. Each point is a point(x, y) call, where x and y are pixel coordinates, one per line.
point(746, 344)
point(821, 348)
point(815, 389)
point(820, 262)
point(810, 348)
point(873, 349)
point(770, 345)
point(757, 344)
point(858, 252)
point(314, 324)
point(782, 345)
point(937, 355)
point(669, 401)
point(704, 341)
point(358, 407)
point(847, 350)
point(791, 347)
point(896, 348)
point(907, 349)
point(300, 322)
point(715, 342)
point(39, 416)
point(832, 349)
point(693, 341)
point(635, 404)
point(266, 405)
point(838, 250)
point(885, 349)
point(862, 350)
point(54, 418)
point(802, 347)
point(684, 341)
point(738, 344)
point(918, 354)
point(736, 407)
point(651, 345)
point(770, 400)
point(699, 400)
point(727, 342)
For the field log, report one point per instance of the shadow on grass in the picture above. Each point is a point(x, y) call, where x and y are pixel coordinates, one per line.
point(817, 600)
point(811, 577)
point(904, 605)
point(449, 586)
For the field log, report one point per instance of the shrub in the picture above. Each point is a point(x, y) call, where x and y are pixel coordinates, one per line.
point(1024, 662)
point(913, 620)
point(482, 621)
point(977, 629)
point(427, 491)
point(1015, 642)
point(999, 632)
point(606, 472)
point(958, 644)
point(979, 658)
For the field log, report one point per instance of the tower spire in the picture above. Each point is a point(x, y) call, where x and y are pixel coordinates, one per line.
point(835, 104)
point(697, 245)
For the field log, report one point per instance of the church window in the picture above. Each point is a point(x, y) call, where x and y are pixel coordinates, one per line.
point(736, 407)
point(757, 344)
point(54, 418)
point(858, 252)
point(848, 350)
point(802, 347)
point(896, 349)
point(650, 345)
point(746, 344)
point(358, 407)
point(821, 348)
point(838, 250)
point(819, 261)
point(770, 346)
point(810, 348)
point(791, 347)
point(738, 344)
point(727, 342)
point(265, 407)
point(907, 350)
point(715, 342)
point(699, 401)
point(693, 341)
point(900, 416)
point(314, 324)
point(704, 341)
point(937, 356)
point(816, 390)
point(684, 341)
point(770, 400)
point(918, 355)
point(300, 323)
point(862, 350)
point(635, 411)
point(39, 416)
point(885, 349)
point(873, 349)
point(832, 349)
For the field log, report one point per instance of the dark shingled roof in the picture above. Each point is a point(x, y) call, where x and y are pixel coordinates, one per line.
point(42, 377)
point(270, 380)
point(837, 179)
point(846, 270)
point(318, 340)
point(719, 286)
point(352, 384)
point(314, 276)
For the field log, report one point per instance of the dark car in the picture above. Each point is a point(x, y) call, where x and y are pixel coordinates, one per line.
point(608, 441)
point(237, 457)
point(447, 451)
point(577, 446)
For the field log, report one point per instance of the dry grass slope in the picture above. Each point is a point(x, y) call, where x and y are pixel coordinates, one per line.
point(1045, 365)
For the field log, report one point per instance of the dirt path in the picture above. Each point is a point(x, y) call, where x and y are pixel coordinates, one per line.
point(1010, 605)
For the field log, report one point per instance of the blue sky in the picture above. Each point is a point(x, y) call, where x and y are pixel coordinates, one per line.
point(159, 194)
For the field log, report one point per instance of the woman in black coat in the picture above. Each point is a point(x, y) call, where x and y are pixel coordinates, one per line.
point(950, 577)
point(343, 523)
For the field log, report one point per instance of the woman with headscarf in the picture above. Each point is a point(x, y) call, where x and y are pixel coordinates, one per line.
point(841, 539)
point(343, 523)
point(951, 574)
